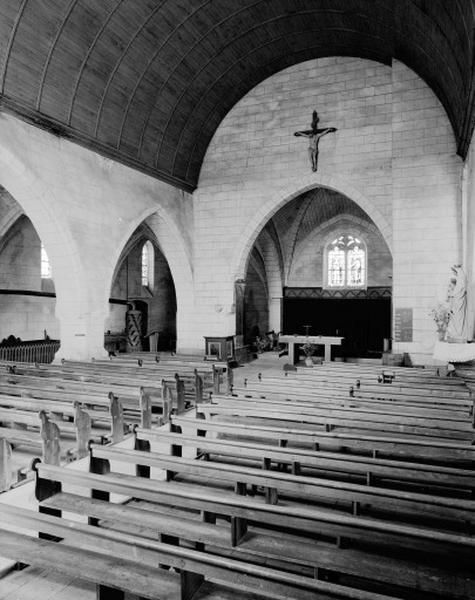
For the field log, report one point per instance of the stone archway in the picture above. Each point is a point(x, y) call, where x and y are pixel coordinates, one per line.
point(169, 239)
point(291, 191)
point(34, 199)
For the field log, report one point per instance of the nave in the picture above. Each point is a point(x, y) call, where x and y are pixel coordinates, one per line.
point(258, 483)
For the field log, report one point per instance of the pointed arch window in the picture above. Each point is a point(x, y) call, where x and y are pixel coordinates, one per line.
point(346, 262)
point(148, 262)
point(46, 272)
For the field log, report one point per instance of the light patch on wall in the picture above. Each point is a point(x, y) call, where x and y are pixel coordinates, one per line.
point(46, 272)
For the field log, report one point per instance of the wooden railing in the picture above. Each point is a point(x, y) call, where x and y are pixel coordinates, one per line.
point(41, 351)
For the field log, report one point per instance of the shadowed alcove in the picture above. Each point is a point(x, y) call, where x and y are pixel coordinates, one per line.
point(290, 265)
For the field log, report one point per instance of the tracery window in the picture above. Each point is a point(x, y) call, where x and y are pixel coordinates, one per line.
point(148, 265)
point(46, 272)
point(346, 262)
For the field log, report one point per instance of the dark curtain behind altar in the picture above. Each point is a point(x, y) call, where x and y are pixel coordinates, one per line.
point(364, 323)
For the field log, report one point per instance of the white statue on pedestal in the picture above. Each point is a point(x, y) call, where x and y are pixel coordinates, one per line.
point(457, 328)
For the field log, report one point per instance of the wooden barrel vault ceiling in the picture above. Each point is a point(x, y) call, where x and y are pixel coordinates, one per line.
point(147, 82)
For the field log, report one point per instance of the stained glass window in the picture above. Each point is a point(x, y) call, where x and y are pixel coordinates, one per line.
point(336, 264)
point(346, 262)
point(147, 265)
point(45, 265)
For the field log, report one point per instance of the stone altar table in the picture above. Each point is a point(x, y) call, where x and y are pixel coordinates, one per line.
point(319, 340)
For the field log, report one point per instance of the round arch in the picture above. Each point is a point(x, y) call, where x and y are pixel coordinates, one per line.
point(291, 191)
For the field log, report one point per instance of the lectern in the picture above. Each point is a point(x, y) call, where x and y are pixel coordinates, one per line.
point(220, 346)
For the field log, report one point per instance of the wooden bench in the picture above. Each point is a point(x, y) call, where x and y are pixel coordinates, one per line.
point(44, 439)
point(129, 395)
point(244, 511)
point(329, 401)
point(63, 409)
point(87, 545)
point(359, 498)
point(371, 391)
point(435, 451)
point(375, 379)
point(390, 473)
point(343, 421)
point(410, 414)
point(295, 392)
point(25, 426)
point(211, 502)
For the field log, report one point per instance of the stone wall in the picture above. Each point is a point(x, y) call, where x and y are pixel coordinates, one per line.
point(85, 208)
point(23, 314)
point(309, 265)
point(393, 154)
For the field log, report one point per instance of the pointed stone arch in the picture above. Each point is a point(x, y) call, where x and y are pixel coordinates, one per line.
point(291, 191)
point(168, 237)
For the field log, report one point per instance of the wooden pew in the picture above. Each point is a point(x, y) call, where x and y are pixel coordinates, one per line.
point(370, 499)
point(434, 451)
point(390, 473)
point(371, 562)
point(388, 407)
point(42, 431)
point(323, 374)
point(46, 441)
point(112, 574)
point(344, 420)
point(112, 381)
point(292, 390)
point(93, 394)
point(290, 385)
point(61, 409)
point(194, 564)
point(407, 373)
point(110, 567)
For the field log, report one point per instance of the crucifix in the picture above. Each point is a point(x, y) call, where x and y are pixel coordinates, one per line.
point(307, 327)
point(314, 136)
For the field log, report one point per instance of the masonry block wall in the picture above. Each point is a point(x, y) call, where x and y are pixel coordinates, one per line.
point(23, 314)
point(426, 181)
point(256, 299)
point(468, 231)
point(393, 154)
point(309, 266)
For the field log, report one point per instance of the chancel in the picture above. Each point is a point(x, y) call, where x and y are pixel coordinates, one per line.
point(237, 300)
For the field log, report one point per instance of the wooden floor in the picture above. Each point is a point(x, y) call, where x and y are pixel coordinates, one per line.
point(37, 584)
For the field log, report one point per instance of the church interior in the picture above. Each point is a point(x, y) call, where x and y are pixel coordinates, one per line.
point(237, 310)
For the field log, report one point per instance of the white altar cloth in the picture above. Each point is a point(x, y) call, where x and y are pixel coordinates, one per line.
point(454, 352)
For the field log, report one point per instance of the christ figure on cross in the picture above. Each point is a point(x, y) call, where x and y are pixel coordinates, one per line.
point(314, 136)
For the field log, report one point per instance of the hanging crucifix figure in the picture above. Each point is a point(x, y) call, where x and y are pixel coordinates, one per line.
point(314, 136)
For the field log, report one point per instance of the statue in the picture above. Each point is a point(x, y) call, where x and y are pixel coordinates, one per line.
point(457, 328)
point(314, 136)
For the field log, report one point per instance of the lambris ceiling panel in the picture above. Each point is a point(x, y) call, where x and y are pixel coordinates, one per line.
point(66, 58)
point(148, 82)
point(31, 39)
point(9, 14)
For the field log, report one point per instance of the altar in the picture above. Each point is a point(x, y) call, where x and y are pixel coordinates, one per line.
point(319, 340)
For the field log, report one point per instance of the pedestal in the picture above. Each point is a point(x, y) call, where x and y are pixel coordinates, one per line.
point(222, 347)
